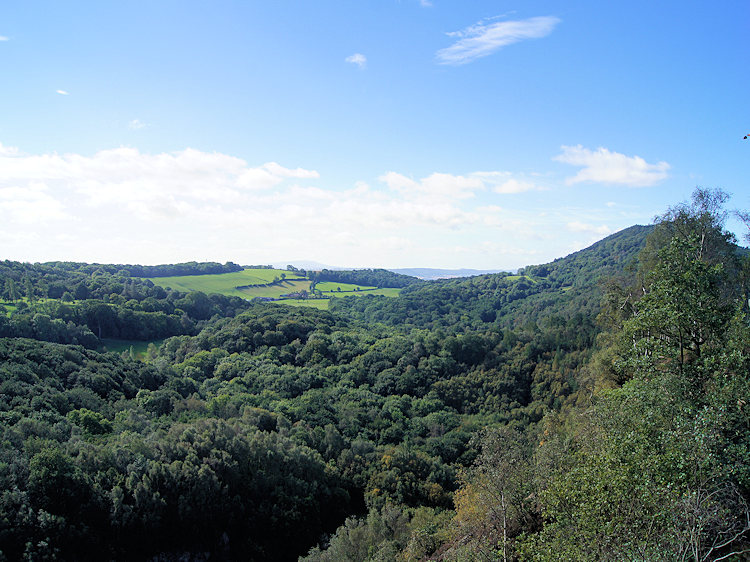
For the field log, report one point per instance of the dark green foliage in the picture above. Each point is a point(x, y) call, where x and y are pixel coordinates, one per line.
point(103, 301)
point(368, 277)
point(566, 287)
point(257, 429)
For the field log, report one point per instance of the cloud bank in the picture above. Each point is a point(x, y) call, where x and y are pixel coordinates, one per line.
point(122, 205)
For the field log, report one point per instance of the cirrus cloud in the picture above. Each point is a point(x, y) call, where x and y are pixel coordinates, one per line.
point(483, 39)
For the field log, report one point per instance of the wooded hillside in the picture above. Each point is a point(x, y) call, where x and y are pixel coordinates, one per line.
point(592, 408)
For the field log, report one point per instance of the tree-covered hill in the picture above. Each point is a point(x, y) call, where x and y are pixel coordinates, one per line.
point(566, 287)
point(592, 408)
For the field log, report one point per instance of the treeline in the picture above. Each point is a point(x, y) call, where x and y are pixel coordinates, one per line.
point(52, 279)
point(368, 277)
point(175, 269)
point(67, 305)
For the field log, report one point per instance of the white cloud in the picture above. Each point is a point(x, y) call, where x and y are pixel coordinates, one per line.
point(504, 183)
point(357, 58)
point(125, 206)
point(136, 124)
point(577, 226)
point(435, 185)
point(30, 204)
point(4, 38)
point(483, 39)
point(458, 187)
point(62, 92)
point(604, 166)
point(425, 3)
point(162, 185)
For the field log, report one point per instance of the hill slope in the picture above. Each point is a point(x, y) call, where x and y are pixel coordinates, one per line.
point(566, 286)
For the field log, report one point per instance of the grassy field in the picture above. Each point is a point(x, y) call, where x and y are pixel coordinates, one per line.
point(118, 346)
point(275, 291)
point(229, 283)
point(387, 292)
point(333, 287)
point(224, 283)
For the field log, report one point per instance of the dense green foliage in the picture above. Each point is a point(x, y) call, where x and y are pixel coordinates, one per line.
point(566, 287)
point(592, 408)
point(368, 277)
point(74, 303)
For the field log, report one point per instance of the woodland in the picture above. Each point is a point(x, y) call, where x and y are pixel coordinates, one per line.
point(591, 408)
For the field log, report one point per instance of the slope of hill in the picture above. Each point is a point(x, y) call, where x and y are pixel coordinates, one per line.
point(566, 287)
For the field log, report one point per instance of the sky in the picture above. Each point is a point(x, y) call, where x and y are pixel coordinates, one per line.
point(361, 133)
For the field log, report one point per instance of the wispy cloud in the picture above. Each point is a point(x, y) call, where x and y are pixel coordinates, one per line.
point(604, 166)
point(4, 38)
point(483, 39)
point(357, 58)
point(62, 92)
point(435, 185)
point(425, 3)
point(578, 226)
point(136, 124)
point(504, 182)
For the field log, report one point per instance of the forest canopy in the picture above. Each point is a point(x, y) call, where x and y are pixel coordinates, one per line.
point(592, 408)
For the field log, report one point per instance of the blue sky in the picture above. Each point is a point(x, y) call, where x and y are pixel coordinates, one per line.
point(386, 133)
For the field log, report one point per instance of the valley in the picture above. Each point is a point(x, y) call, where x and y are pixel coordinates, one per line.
point(220, 421)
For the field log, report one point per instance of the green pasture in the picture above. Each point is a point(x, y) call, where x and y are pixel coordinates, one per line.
point(333, 287)
point(224, 283)
point(386, 292)
point(275, 291)
point(228, 283)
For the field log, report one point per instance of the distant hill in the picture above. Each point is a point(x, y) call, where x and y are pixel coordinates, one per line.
point(429, 273)
point(567, 287)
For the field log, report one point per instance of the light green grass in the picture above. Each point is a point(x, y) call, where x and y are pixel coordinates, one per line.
point(519, 278)
point(118, 346)
point(228, 283)
point(223, 283)
point(275, 291)
point(9, 307)
point(386, 292)
point(333, 287)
